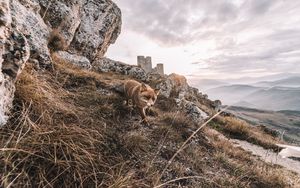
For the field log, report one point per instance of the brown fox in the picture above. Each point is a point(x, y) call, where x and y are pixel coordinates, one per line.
point(142, 96)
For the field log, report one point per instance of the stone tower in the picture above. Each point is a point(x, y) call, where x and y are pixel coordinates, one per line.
point(146, 64)
point(160, 68)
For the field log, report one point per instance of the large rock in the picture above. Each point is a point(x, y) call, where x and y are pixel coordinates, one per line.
point(31, 24)
point(74, 59)
point(173, 84)
point(5, 20)
point(108, 65)
point(193, 111)
point(35, 28)
point(14, 52)
point(86, 27)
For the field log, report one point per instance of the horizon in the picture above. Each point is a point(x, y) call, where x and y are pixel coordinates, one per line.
point(211, 39)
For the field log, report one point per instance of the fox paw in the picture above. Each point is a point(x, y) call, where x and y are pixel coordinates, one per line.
point(145, 122)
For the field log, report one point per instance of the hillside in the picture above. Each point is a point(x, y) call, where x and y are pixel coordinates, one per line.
point(70, 129)
point(232, 94)
point(287, 82)
point(206, 84)
point(286, 122)
point(64, 122)
point(287, 98)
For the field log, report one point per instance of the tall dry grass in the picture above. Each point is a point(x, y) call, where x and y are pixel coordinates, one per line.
point(70, 129)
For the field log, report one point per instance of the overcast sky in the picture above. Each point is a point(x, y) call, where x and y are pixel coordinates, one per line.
point(211, 38)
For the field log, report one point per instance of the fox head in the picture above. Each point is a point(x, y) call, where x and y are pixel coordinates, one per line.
point(148, 95)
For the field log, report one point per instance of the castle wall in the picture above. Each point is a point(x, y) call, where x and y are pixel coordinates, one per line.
point(146, 64)
point(140, 61)
point(160, 68)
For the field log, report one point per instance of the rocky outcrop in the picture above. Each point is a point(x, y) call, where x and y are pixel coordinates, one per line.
point(5, 20)
point(14, 52)
point(108, 65)
point(78, 30)
point(173, 84)
point(25, 19)
point(193, 111)
point(74, 59)
point(86, 27)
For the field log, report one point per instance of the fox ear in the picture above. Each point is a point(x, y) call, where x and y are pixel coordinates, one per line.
point(156, 91)
point(143, 87)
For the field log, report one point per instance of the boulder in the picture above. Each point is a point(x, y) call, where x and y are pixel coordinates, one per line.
point(74, 59)
point(33, 27)
point(14, 52)
point(193, 111)
point(173, 84)
point(86, 27)
point(108, 65)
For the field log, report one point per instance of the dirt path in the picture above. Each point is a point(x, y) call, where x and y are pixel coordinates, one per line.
point(268, 156)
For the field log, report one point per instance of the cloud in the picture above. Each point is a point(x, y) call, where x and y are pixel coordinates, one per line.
point(226, 36)
point(175, 22)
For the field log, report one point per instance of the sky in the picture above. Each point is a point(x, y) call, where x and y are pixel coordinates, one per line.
point(211, 38)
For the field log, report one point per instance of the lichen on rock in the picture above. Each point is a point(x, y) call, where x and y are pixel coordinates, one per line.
point(14, 52)
point(84, 27)
point(28, 29)
point(74, 59)
point(108, 65)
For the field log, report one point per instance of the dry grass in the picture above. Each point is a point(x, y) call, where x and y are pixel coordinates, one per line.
point(242, 165)
point(239, 129)
point(70, 129)
point(58, 134)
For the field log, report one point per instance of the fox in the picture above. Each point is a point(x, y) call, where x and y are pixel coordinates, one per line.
point(141, 95)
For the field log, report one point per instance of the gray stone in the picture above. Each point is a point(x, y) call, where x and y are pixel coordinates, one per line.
point(86, 27)
point(100, 26)
point(34, 28)
point(193, 111)
point(108, 65)
point(146, 64)
point(29, 27)
point(74, 59)
point(14, 52)
point(5, 17)
point(173, 83)
point(64, 18)
point(217, 104)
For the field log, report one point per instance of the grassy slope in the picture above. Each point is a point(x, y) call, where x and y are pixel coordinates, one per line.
point(287, 121)
point(69, 129)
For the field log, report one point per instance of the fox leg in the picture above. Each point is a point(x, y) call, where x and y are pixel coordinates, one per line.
point(143, 114)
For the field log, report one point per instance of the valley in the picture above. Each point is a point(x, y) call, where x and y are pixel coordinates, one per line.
point(286, 122)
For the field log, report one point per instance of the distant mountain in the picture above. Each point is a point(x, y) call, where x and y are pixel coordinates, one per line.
point(287, 122)
point(272, 92)
point(205, 84)
point(276, 98)
point(287, 82)
point(246, 104)
point(232, 94)
point(268, 78)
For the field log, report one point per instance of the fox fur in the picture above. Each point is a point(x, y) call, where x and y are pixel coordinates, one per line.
point(142, 96)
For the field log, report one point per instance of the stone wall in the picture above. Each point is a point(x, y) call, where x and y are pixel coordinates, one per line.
point(146, 64)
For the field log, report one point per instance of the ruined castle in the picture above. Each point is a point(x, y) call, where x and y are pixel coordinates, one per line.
point(146, 64)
